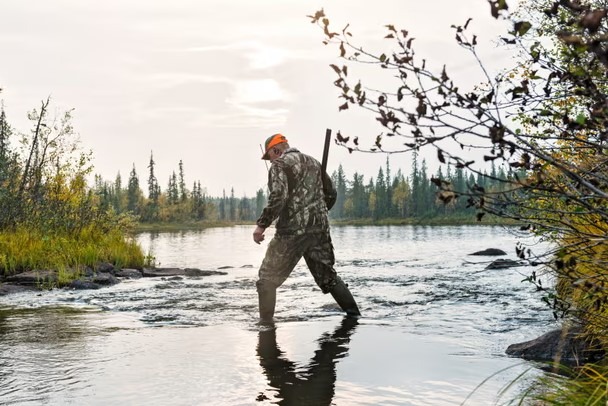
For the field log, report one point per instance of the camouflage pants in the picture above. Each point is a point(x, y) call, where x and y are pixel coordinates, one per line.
point(284, 252)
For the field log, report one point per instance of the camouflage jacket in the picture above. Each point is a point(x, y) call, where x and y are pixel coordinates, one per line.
point(300, 195)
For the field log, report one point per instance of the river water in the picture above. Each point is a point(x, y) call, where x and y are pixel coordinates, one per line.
point(434, 329)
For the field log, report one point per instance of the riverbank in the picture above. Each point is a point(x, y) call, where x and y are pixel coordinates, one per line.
point(434, 221)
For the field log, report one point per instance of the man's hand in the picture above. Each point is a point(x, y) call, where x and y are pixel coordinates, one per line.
point(258, 234)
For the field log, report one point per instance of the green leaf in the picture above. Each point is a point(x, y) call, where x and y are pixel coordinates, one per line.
point(522, 27)
point(581, 119)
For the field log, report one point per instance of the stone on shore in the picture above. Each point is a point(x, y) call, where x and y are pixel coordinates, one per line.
point(565, 346)
point(33, 278)
point(104, 278)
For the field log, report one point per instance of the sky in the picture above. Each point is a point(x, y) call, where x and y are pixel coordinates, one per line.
point(207, 81)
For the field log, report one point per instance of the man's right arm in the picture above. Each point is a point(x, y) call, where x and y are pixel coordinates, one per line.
point(277, 184)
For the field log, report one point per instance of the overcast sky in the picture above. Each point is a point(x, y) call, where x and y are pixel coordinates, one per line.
point(206, 81)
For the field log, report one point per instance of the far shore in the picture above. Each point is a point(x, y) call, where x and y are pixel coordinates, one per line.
point(437, 221)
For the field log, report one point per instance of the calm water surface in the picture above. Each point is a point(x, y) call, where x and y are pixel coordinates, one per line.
point(435, 325)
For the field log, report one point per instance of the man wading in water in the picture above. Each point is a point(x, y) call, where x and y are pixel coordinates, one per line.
point(301, 193)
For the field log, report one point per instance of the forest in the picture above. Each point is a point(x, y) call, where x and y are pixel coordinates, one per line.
point(412, 197)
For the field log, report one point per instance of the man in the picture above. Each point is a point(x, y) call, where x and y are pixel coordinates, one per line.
point(300, 196)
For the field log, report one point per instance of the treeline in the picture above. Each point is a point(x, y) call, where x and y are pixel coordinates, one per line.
point(411, 197)
point(174, 203)
point(383, 197)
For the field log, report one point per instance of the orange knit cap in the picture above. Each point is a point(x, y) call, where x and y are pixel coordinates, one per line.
point(272, 141)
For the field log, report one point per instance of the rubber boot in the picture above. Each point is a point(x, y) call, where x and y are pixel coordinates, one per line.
point(267, 297)
point(344, 298)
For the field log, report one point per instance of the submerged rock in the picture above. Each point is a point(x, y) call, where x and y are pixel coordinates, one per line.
point(503, 264)
point(129, 273)
point(104, 274)
point(202, 272)
point(490, 252)
point(8, 288)
point(81, 284)
point(157, 272)
point(167, 272)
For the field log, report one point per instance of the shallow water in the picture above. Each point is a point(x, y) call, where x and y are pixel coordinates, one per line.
point(435, 325)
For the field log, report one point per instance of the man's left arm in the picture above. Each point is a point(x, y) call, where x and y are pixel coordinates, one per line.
point(329, 191)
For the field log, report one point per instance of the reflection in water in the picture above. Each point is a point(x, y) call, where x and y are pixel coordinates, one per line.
point(316, 384)
point(41, 351)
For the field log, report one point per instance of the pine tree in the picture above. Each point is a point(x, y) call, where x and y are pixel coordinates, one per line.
point(390, 212)
point(359, 197)
point(381, 196)
point(133, 192)
point(341, 190)
point(232, 205)
point(183, 193)
point(117, 203)
point(425, 197)
point(5, 134)
point(153, 187)
point(172, 189)
point(414, 208)
point(260, 201)
point(222, 205)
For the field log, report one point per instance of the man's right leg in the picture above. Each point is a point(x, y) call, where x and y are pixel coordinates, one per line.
point(282, 256)
point(267, 298)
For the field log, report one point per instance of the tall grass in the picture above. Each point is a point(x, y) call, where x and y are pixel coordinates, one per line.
point(26, 249)
point(586, 385)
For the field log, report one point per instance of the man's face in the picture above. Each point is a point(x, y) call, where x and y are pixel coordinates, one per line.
point(274, 153)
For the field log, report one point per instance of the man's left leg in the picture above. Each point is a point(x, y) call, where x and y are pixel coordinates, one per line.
point(320, 260)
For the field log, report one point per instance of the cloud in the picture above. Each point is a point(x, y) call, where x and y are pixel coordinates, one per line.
point(259, 90)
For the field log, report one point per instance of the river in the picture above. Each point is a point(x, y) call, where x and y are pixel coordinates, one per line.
point(434, 329)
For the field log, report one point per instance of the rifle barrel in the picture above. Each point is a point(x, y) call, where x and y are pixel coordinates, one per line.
point(326, 150)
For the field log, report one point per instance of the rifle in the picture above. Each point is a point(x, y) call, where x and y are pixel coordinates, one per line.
point(326, 150)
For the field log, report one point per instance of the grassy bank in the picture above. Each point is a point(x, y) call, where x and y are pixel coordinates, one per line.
point(183, 226)
point(22, 250)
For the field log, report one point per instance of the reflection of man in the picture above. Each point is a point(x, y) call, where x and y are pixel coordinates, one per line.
point(305, 385)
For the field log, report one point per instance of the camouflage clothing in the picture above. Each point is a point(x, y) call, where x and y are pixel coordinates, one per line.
point(284, 252)
point(300, 196)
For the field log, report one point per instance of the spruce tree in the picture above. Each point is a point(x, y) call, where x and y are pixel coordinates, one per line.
point(133, 192)
point(183, 193)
